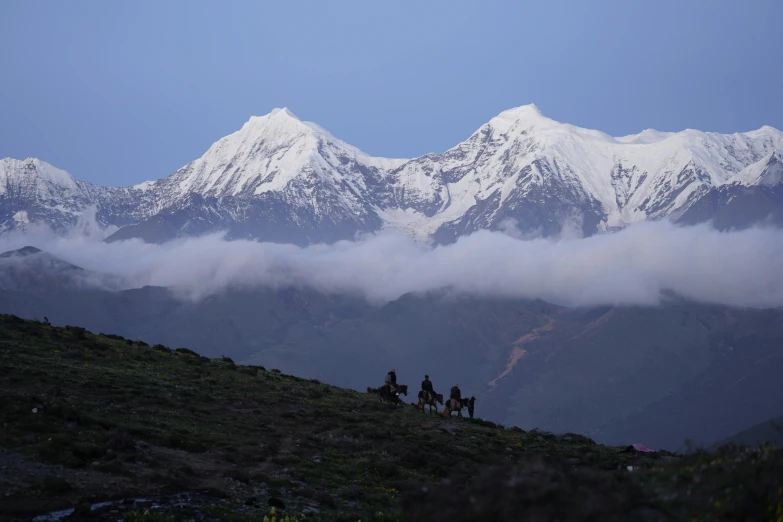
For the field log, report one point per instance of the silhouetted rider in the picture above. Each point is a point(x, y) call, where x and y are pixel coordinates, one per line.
point(456, 394)
point(391, 380)
point(426, 386)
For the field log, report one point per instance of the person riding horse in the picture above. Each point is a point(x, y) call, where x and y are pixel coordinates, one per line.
point(427, 395)
point(391, 380)
point(454, 403)
point(426, 385)
point(456, 394)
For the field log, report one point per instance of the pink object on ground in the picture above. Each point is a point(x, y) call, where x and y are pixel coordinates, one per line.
point(639, 447)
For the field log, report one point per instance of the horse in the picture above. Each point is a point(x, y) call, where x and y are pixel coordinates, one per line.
point(452, 405)
point(427, 398)
point(386, 395)
point(470, 403)
point(457, 405)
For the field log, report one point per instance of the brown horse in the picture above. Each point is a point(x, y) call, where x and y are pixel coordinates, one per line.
point(471, 404)
point(430, 399)
point(386, 395)
point(453, 405)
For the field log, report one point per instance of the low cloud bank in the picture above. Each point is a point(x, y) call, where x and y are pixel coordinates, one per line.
point(633, 266)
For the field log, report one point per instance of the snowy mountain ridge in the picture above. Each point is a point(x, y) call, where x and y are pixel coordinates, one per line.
point(266, 154)
point(279, 178)
point(521, 158)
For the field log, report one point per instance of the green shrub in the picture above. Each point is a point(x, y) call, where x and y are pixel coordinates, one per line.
point(77, 331)
point(576, 437)
point(87, 451)
point(272, 516)
point(382, 517)
point(53, 484)
point(147, 516)
point(386, 469)
point(238, 475)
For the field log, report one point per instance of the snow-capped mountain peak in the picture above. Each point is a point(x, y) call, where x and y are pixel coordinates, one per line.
point(524, 113)
point(526, 120)
point(647, 136)
point(523, 163)
point(32, 174)
point(266, 154)
point(764, 131)
point(284, 111)
point(768, 172)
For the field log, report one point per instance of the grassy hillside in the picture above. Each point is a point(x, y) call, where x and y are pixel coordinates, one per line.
point(87, 419)
point(655, 375)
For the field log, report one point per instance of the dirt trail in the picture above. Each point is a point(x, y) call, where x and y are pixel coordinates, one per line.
point(518, 353)
point(594, 325)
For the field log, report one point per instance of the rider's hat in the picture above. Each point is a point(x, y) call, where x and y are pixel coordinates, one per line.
point(426, 376)
point(457, 385)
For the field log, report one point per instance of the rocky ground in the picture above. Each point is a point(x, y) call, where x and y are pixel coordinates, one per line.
point(98, 427)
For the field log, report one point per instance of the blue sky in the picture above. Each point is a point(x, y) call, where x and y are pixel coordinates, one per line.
point(123, 91)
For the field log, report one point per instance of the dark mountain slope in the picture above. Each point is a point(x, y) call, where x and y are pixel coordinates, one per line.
point(453, 339)
point(596, 366)
point(236, 323)
point(530, 363)
point(30, 269)
point(740, 387)
point(769, 431)
point(89, 418)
